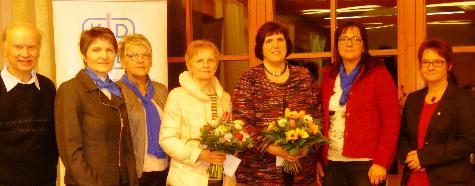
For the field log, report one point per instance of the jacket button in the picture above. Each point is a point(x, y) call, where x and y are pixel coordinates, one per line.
point(351, 93)
point(347, 114)
point(426, 143)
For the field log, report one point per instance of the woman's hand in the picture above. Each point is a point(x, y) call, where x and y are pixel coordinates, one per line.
point(412, 160)
point(278, 151)
point(377, 174)
point(212, 157)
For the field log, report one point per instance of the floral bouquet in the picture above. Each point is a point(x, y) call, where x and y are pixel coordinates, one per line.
point(294, 132)
point(225, 135)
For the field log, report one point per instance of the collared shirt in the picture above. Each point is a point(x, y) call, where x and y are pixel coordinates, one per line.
point(11, 81)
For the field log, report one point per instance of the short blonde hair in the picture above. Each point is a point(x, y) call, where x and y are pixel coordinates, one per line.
point(135, 39)
point(198, 45)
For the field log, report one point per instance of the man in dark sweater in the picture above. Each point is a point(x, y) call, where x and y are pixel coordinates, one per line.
point(28, 152)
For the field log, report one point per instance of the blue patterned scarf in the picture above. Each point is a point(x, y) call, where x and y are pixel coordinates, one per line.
point(346, 81)
point(108, 84)
point(152, 115)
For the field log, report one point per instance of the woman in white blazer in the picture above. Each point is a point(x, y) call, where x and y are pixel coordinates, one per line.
point(200, 99)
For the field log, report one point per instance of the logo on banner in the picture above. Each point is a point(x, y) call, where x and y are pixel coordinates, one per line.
point(119, 25)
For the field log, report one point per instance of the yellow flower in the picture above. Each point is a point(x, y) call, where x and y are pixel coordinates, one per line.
point(308, 119)
point(293, 115)
point(287, 112)
point(291, 135)
point(315, 129)
point(303, 134)
point(238, 124)
point(301, 114)
point(270, 125)
point(282, 122)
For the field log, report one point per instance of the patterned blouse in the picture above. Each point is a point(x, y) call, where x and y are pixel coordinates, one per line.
point(257, 100)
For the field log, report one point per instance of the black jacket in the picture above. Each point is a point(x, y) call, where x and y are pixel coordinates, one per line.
point(449, 140)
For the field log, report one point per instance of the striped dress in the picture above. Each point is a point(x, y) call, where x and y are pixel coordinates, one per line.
point(257, 100)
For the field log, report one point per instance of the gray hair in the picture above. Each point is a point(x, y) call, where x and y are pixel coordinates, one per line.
point(14, 25)
point(135, 39)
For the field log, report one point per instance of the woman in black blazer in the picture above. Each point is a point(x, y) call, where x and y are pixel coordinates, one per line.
point(438, 125)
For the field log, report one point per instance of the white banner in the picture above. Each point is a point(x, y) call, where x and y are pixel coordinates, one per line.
point(71, 17)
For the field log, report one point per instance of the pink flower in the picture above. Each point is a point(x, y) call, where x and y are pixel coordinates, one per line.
point(226, 116)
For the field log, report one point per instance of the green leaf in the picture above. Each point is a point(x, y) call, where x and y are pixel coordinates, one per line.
point(293, 151)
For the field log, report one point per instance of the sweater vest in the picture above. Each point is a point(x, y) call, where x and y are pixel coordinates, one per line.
point(28, 152)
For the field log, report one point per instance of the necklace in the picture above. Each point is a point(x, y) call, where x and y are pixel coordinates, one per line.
point(276, 74)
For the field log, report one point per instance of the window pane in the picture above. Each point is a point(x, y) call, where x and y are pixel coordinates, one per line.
point(174, 71)
point(452, 21)
point(229, 72)
point(314, 66)
point(391, 65)
point(176, 39)
point(464, 66)
point(306, 20)
point(379, 18)
point(222, 22)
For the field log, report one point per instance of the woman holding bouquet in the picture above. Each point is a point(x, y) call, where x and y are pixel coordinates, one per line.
point(199, 100)
point(261, 96)
point(361, 113)
point(437, 128)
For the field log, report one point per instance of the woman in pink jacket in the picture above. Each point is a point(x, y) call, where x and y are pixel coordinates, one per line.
point(361, 113)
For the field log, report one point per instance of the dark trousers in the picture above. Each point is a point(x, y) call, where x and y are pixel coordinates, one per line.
point(347, 173)
point(156, 178)
point(215, 182)
point(288, 178)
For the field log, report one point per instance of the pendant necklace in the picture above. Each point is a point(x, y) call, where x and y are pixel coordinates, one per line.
point(276, 74)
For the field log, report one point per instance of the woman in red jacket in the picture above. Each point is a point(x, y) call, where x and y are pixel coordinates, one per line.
point(361, 113)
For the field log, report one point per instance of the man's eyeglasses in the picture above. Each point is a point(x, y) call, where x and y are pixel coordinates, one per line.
point(135, 57)
point(345, 40)
point(435, 63)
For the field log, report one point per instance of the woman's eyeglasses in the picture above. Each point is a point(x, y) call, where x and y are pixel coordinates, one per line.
point(353, 40)
point(135, 57)
point(435, 63)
